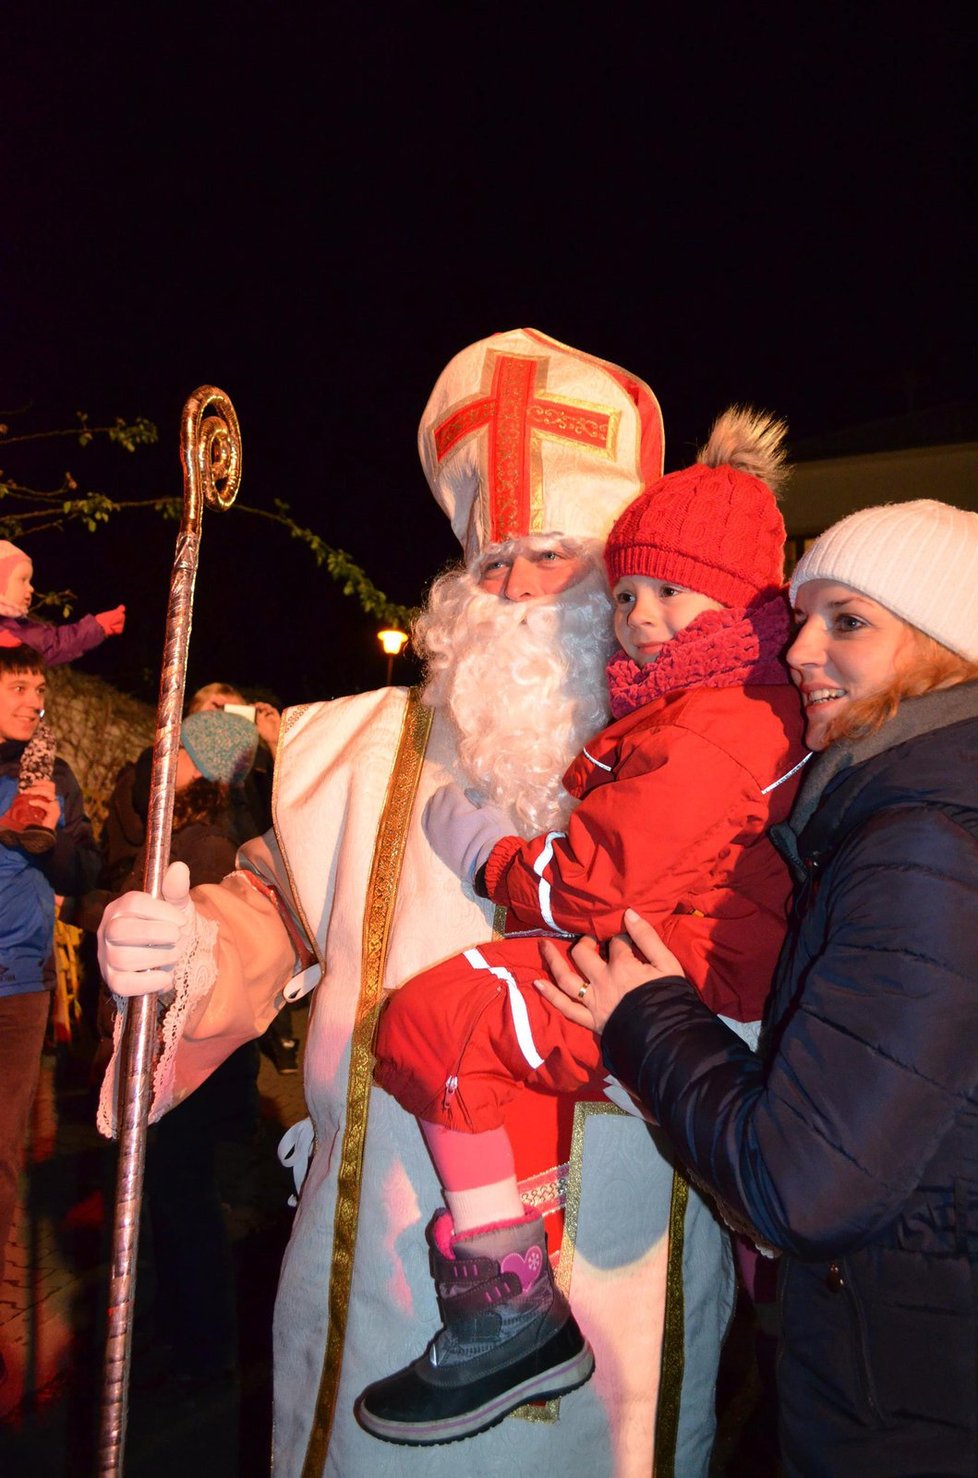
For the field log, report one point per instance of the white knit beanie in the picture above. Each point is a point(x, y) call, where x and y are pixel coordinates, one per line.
point(9, 556)
point(918, 559)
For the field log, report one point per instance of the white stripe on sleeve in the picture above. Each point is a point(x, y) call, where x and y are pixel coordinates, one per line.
point(539, 867)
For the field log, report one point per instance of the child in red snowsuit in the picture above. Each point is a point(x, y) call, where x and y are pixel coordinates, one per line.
point(675, 799)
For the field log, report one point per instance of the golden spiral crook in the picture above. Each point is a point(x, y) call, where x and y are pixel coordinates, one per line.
point(210, 447)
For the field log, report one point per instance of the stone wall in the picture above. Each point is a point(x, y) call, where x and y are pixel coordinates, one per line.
point(99, 730)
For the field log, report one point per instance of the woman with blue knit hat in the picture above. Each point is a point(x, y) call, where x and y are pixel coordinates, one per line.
point(220, 746)
point(851, 1142)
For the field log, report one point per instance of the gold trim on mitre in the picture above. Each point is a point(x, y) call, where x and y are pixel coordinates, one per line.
point(582, 429)
point(518, 418)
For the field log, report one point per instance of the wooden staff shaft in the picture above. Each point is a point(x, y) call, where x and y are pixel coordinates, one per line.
point(211, 455)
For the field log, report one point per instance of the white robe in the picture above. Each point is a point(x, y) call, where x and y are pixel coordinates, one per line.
point(333, 771)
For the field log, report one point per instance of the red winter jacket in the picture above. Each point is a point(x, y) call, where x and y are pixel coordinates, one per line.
point(675, 802)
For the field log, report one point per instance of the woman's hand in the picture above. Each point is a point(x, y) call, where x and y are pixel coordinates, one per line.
point(268, 722)
point(590, 994)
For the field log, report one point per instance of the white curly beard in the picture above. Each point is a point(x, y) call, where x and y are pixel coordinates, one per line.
point(522, 682)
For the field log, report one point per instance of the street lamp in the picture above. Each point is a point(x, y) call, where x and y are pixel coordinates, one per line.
point(392, 642)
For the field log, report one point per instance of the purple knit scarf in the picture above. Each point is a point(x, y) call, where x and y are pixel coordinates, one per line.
point(720, 649)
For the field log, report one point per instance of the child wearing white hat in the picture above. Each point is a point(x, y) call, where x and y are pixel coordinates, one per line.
point(56, 644)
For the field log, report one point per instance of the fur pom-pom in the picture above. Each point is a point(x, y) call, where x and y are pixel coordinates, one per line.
point(751, 441)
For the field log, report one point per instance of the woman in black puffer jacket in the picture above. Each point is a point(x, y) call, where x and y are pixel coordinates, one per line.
point(851, 1142)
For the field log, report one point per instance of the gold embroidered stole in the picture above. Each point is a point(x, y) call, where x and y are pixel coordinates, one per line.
point(673, 1336)
point(385, 873)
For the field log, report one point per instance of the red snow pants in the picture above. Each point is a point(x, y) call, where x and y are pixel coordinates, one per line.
point(456, 1043)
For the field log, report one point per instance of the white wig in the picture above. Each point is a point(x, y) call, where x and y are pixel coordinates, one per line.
point(522, 682)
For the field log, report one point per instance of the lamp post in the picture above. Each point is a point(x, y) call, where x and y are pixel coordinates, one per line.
point(392, 642)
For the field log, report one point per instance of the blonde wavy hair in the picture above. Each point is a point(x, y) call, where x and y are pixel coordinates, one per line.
point(926, 666)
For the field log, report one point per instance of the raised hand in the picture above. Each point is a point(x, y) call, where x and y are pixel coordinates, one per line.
point(112, 622)
point(268, 722)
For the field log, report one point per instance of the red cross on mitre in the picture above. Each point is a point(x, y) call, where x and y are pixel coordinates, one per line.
point(517, 416)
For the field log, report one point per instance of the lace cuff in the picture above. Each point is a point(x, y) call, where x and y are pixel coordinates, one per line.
point(734, 1220)
point(619, 1095)
point(193, 979)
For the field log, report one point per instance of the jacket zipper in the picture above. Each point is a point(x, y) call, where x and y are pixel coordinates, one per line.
point(862, 1361)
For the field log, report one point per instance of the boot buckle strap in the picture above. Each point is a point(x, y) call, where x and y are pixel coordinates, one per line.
point(477, 1298)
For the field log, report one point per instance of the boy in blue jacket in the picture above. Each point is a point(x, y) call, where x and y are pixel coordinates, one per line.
point(20, 821)
point(28, 884)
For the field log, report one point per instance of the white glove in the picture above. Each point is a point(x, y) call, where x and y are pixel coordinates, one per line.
point(141, 938)
point(460, 833)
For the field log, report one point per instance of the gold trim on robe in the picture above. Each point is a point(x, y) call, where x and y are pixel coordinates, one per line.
point(673, 1336)
point(385, 874)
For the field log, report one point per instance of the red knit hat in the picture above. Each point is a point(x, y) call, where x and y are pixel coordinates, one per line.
point(714, 527)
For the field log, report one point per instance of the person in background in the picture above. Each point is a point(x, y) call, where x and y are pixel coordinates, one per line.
point(21, 822)
point(250, 814)
point(56, 644)
point(257, 788)
point(193, 1310)
point(29, 881)
point(851, 1143)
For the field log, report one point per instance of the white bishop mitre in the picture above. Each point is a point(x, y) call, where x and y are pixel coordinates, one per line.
point(524, 435)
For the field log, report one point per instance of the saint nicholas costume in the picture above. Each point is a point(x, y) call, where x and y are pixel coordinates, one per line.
point(521, 435)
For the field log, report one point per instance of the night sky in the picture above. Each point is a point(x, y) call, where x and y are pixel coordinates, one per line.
point(315, 206)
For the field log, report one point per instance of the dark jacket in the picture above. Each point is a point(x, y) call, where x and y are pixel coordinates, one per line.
point(207, 847)
point(56, 644)
point(124, 833)
point(852, 1143)
point(29, 881)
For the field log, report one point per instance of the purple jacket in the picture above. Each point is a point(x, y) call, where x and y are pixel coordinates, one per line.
point(56, 644)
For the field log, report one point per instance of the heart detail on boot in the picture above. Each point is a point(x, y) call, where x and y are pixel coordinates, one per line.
point(527, 1268)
